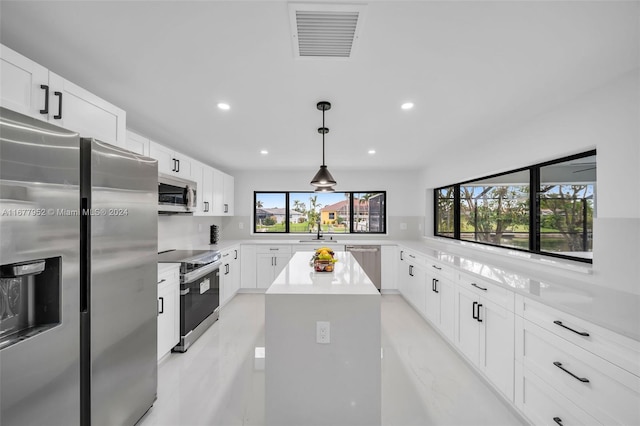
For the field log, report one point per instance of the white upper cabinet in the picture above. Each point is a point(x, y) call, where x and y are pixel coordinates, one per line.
point(21, 80)
point(223, 195)
point(31, 89)
point(203, 176)
point(170, 162)
point(137, 143)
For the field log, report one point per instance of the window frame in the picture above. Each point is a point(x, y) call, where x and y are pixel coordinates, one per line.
point(534, 208)
point(287, 229)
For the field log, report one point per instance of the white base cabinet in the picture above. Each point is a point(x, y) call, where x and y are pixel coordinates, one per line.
point(484, 330)
point(229, 274)
point(569, 356)
point(270, 261)
point(168, 307)
point(31, 89)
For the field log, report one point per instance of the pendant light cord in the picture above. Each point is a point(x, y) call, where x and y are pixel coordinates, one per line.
point(323, 132)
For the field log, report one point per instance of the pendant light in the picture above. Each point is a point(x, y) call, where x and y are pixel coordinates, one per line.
point(323, 181)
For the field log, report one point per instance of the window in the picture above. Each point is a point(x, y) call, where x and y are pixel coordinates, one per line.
point(567, 202)
point(502, 210)
point(334, 213)
point(496, 210)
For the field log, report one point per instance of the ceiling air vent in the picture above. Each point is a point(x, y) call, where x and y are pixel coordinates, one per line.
point(325, 31)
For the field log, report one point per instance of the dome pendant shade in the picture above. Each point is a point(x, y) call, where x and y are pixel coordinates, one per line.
point(325, 189)
point(323, 178)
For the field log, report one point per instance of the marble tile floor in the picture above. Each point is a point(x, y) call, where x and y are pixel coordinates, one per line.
point(219, 381)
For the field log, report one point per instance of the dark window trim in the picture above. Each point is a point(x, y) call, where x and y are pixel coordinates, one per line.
point(534, 207)
point(351, 213)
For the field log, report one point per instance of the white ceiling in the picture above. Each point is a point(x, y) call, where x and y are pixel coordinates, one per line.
point(473, 69)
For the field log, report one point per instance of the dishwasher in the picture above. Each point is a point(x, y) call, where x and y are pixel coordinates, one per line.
point(369, 259)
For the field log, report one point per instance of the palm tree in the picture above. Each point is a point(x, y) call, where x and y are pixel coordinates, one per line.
point(365, 199)
point(259, 204)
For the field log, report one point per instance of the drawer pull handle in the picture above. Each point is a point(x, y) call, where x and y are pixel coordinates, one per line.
point(274, 248)
point(438, 268)
point(558, 420)
point(582, 333)
point(161, 281)
point(477, 286)
point(559, 365)
point(412, 256)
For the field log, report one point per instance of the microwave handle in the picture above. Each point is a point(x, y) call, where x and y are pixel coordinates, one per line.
point(189, 197)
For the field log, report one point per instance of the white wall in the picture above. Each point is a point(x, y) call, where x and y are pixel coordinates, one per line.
point(402, 204)
point(182, 232)
point(607, 119)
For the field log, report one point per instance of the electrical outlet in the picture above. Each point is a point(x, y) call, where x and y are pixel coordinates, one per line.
point(240, 225)
point(323, 332)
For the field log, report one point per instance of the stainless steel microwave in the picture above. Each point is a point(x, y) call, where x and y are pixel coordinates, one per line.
point(176, 195)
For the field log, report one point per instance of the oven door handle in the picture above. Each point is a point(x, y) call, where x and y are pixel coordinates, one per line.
point(200, 272)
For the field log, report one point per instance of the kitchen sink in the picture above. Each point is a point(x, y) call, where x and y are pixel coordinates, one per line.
point(316, 241)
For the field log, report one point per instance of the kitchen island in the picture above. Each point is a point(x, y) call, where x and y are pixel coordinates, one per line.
point(323, 340)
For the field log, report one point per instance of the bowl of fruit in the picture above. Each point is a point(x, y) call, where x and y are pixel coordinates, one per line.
point(323, 260)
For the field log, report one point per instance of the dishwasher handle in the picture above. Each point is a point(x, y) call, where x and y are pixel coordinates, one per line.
point(362, 249)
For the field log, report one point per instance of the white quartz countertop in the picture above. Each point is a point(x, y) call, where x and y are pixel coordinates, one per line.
point(347, 278)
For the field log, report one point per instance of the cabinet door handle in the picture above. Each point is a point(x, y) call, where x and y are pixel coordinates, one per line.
point(161, 281)
point(558, 420)
point(46, 99)
point(174, 165)
point(236, 254)
point(206, 206)
point(59, 115)
point(559, 365)
point(477, 286)
point(438, 268)
point(411, 270)
point(161, 299)
point(226, 269)
point(473, 310)
point(581, 333)
point(401, 253)
point(479, 306)
point(178, 171)
point(226, 208)
point(435, 285)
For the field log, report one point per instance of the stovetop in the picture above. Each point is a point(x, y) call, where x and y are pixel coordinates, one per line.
point(189, 260)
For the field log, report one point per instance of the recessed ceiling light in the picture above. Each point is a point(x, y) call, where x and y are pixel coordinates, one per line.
point(264, 152)
point(407, 105)
point(372, 151)
point(224, 106)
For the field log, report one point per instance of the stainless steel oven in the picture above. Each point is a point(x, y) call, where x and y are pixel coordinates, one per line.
point(199, 291)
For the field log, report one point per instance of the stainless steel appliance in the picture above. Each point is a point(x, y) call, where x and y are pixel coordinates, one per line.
point(199, 291)
point(78, 278)
point(368, 256)
point(176, 195)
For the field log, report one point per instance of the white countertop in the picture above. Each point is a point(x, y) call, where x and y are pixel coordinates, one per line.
point(347, 278)
point(569, 286)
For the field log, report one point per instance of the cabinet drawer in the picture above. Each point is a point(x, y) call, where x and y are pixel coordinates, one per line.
point(414, 258)
point(499, 295)
point(607, 392)
point(273, 248)
point(543, 405)
point(168, 274)
point(620, 350)
point(441, 269)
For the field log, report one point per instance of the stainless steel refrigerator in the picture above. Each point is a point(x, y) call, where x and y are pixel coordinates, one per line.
point(78, 240)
